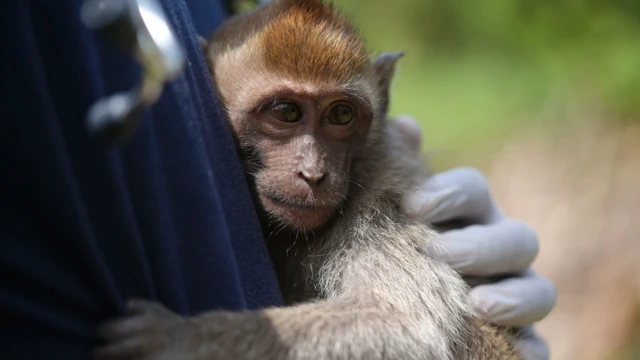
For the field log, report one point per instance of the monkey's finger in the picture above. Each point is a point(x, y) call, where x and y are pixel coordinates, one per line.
point(409, 128)
point(531, 346)
point(130, 348)
point(139, 306)
point(515, 301)
point(506, 247)
point(460, 193)
point(122, 328)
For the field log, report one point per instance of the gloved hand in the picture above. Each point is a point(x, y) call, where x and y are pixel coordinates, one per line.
point(492, 245)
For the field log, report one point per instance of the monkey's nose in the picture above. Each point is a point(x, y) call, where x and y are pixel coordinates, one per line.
point(313, 178)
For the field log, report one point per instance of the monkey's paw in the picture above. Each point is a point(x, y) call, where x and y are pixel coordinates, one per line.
point(150, 332)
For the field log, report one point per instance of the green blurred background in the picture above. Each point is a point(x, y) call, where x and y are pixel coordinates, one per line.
point(474, 70)
point(544, 97)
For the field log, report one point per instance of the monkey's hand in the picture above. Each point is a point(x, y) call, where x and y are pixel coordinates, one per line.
point(150, 332)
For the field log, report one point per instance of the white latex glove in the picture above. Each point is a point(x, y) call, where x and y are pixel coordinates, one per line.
point(491, 246)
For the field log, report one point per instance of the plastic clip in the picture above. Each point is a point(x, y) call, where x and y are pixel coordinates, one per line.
point(141, 27)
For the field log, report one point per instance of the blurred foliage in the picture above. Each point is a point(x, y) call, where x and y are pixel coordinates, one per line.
point(474, 69)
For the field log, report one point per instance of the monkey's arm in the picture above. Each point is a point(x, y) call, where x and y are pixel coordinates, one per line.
point(382, 307)
point(345, 328)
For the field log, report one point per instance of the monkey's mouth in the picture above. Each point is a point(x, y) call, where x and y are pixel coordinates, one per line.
point(299, 215)
point(280, 201)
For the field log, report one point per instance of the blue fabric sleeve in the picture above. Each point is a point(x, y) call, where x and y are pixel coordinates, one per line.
point(83, 227)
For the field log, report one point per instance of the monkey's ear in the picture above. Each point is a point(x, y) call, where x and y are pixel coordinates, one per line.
point(384, 67)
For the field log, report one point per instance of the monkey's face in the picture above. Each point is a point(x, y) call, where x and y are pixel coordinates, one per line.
point(298, 147)
point(301, 94)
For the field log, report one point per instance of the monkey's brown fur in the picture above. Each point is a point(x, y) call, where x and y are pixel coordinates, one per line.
point(356, 272)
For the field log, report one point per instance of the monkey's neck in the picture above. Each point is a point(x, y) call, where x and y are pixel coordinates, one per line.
point(286, 250)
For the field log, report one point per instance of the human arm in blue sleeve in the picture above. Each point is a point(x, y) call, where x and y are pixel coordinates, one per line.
point(83, 226)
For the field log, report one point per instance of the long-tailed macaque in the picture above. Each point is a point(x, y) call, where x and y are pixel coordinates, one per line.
point(308, 109)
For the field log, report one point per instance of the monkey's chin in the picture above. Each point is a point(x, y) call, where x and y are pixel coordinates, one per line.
point(303, 218)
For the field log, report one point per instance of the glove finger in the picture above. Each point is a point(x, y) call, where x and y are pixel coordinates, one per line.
point(531, 346)
point(506, 247)
point(515, 301)
point(460, 193)
point(409, 128)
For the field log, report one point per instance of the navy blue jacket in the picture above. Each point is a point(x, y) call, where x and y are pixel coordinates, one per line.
point(83, 226)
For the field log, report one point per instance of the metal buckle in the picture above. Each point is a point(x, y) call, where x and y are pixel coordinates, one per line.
point(141, 27)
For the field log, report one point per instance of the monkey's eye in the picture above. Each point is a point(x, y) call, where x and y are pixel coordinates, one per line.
point(340, 115)
point(287, 112)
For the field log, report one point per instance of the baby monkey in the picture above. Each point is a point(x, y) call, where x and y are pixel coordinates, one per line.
point(308, 110)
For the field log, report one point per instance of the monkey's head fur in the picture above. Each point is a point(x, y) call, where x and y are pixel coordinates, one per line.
point(304, 100)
